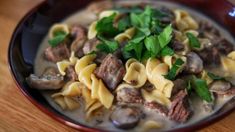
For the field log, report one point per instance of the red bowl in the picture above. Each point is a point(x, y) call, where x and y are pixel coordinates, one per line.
point(34, 26)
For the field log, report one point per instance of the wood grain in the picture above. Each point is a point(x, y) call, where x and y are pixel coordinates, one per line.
point(17, 114)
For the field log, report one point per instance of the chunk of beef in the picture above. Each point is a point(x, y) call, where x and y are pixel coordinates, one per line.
point(126, 117)
point(90, 45)
point(71, 75)
point(58, 53)
point(180, 110)
point(50, 79)
point(179, 84)
point(79, 37)
point(224, 46)
point(194, 63)
point(129, 95)
point(177, 46)
point(157, 107)
point(111, 71)
point(207, 30)
point(210, 55)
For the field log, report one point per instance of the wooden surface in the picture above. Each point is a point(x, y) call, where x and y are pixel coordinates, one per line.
point(16, 112)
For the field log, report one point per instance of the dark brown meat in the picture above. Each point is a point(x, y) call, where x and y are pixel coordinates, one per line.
point(90, 45)
point(129, 95)
point(177, 46)
point(79, 37)
point(71, 75)
point(180, 110)
point(111, 71)
point(207, 30)
point(224, 46)
point(125, 117)
point(194, 63)
point(210, 55)
point(57, 53)
point(49, 80)
point(157, 107)
point(179, 84)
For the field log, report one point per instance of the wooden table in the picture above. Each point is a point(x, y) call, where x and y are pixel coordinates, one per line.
point(16, 112)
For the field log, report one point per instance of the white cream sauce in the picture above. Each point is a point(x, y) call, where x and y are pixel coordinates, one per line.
point(85, 17)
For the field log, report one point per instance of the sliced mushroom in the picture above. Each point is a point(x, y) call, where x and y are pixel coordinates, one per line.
point(125, 117)
point(50, 80)
point(194, 63)
point(220, 86)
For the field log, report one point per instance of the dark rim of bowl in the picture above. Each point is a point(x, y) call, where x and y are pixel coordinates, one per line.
point(195, 126)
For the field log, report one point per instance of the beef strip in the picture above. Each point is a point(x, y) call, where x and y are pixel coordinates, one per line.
point(179, 84)
point(79, 38)
point(159, 108)
point(129, 95)
point(180, 110)
point(58, 53)
point(71, 75)
point(111, 71)
point(90, 45)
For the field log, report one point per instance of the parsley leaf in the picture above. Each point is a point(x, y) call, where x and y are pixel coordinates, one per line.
point(60, 36)
point(123, 24)
point(152, 45)
point(143, 19)
point(105, 26)
point(107, 46)
point(167, 51)
point(165, 36)
point(193, 41)
point(136, 49)
point(214, 77)
point(173, 71)
point(201, 88)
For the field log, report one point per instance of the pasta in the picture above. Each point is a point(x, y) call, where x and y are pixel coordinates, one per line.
point(127, 35)
point(204, 76)
point(228, 64)
point(157, 96)
point(184, 21)
point(92, 31)
point(136, 74)
point(62, 66)
point(83, 62)
point(58, 28)
point(155, 71)
point(107, 13)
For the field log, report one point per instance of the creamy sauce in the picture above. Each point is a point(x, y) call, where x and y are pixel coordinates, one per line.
point(85, 18)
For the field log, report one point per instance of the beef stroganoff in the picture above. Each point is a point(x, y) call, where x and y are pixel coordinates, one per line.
point(133, 66)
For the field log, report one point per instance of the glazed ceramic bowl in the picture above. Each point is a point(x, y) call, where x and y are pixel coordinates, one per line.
point(34, 26)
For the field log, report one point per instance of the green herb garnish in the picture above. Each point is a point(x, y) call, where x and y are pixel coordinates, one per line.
point(167, 51)
point(105, 26)
point(193, 41)
point(58, 38)
point(201, 89)
point(107, 46)
point(214, 77)
point(174, 69)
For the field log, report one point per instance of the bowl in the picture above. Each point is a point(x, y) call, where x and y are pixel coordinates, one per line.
point(35, 24)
